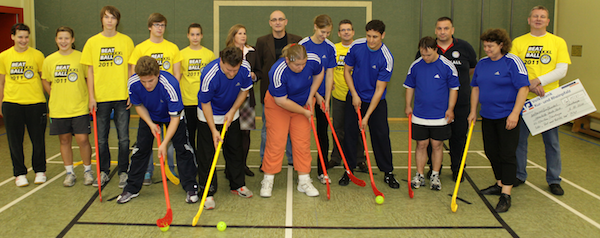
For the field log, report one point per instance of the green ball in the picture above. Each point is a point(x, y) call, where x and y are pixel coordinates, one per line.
point(379, 199)
point(164, 228)
point(221, 226)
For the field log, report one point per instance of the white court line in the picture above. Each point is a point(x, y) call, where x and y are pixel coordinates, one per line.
point(38, 187)
point(393, 152)
point(29, 169)
point(289, 216)
point(567, 181)
point(584, 217)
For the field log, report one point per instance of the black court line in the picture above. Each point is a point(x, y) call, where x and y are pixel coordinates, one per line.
point(85, 207)
point(489, 206)
point(305, 227)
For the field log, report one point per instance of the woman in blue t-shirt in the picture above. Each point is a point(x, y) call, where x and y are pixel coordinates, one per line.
point(295, 79)
point(500, 84)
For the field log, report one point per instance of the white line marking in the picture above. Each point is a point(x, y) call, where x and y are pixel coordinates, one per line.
point(289, 216)
point(29, 169)
point(584, 217)
point(568, 181)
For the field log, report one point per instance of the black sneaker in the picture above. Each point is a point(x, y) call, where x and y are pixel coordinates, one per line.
point(556, 189)
point(391, 181)
point(126, 196)
point(503, 203)
point(362, 167)
point(518, 182)
point(492, 190)
point(344, 180)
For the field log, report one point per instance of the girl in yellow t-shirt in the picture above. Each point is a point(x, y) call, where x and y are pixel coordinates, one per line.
point(23, 104)
point(69, 114)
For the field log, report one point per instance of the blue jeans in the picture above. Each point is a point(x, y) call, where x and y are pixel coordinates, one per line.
point(553, 164)
point(263, 141)
point(170, 151)
point(121, 119)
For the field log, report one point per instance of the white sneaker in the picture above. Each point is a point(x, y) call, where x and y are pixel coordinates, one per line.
point(243, 192)
point(88, 177)
point(305, 186)
point(209, 204)
point(69, 180)
point(435, 183)
point(21, 181)
point(40, 178)
point(323, 180)
point(123, 180)
point(267, 188)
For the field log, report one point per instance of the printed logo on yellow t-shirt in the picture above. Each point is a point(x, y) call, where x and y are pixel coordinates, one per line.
point(194, 67)
point(20, 70)
point(108, 56)
point(162, 61)
point(64, 72)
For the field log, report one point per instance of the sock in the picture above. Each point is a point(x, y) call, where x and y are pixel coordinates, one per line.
point(435, 173)
point(87, 168)
point(303, 177)
point(69, 168)
point(420, 175)
point(269, 177)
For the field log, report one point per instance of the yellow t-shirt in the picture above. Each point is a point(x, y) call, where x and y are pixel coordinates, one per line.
point(69, 93)
point(22, 76)
point(540, 55)
point(165, 53)
point(191, 66)
point(108, 56)
point(340, 88)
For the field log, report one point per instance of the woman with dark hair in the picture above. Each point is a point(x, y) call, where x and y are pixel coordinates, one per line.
point(237, 38)
point(64, 78)
point(23, 104)
point(500, 84)
point(295, 78)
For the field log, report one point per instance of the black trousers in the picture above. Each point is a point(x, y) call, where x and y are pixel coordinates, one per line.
point(186, 165)
point(500, 147)
point(191, 115)
point(16, 118)
point(245, 145)
point(232, 152)
point(379, 130)
point(322, 125)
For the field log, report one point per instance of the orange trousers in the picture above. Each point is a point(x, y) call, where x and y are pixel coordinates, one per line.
point(280, 122)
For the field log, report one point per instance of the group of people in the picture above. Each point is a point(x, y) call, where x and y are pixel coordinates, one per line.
point(195, 95)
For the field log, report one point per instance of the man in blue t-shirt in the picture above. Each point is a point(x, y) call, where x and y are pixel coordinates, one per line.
point(224, 86)
point(433, 80)
point(368, 69)
point(157, 100)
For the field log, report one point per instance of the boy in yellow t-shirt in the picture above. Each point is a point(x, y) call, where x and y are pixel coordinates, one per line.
point(23, 104)
point(68, 104)
point(106, 54)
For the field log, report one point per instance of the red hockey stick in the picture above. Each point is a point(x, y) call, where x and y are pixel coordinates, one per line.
point(312, 121)
point(362, 132)
point(353, 178)
point(97, 154)
point(165, 221)
point(411, 194)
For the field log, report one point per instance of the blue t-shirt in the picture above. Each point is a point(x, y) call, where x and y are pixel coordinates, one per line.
point(369, 67)
point(220, 91)
point(326, 52)
point(296, 86)
point(499, 82)
point(163, 102)
point(432, 82)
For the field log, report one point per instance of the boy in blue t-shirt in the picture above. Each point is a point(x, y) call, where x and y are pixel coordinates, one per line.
point(157, 100)
point(433, 80)
point(368, 69)
point(224, 86)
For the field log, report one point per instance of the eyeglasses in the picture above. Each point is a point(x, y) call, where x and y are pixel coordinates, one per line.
point(159, 25)
point(277, 19)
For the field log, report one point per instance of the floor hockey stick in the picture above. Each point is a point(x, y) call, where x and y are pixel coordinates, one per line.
point(411, 194)
point(353, 178)
point(165, 221)
point(97, 154)
point(169, 173)
point(454, 206)
point(364, 138)
point(210, 175)
point(312, 121)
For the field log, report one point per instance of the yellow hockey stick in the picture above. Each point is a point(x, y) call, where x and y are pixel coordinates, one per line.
point(168, 172)
point(454, 206)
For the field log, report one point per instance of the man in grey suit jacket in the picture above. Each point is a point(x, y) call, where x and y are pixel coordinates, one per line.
point(268, 50)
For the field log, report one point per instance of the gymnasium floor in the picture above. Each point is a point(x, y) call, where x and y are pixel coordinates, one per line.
point(51, 210)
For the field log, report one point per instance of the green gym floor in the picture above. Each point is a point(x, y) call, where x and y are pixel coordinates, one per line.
point(51, 210)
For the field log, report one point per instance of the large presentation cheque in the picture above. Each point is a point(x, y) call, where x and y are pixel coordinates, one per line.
point(559, 106)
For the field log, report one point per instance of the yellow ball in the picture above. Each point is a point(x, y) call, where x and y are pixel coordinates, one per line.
point(164, 228)
point(379, 199)
point(221, 226)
